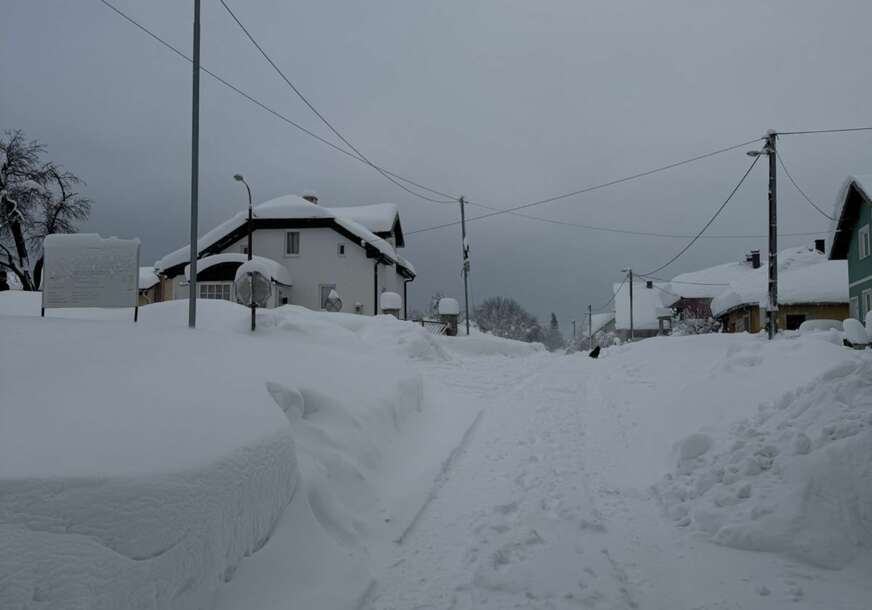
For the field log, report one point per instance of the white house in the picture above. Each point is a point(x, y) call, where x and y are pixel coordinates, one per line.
point(314, 249)
point(650, 303)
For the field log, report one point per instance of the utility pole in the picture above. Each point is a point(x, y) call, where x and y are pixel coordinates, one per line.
point(629, 272)
point(573, 331)
point(772, 309)
point(773, 237)
point(465, 261)
point(589, 326)
point(195, 169)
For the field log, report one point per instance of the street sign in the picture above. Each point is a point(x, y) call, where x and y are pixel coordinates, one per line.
point(86, 270)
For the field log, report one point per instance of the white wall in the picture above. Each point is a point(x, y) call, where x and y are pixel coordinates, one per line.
point(319, 263)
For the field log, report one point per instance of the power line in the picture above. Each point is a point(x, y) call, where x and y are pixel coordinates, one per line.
point(708, 224)
point(796, 186)
point(614, 295)
point(631, 231)
point(262, 105)
point(588, 189)
point(321, 116)
point(808, 131)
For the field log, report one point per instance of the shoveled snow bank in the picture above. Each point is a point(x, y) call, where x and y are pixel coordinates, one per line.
point(140, 463)
point(796, 478)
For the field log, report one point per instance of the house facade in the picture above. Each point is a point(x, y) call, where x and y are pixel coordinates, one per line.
point(317, 249)
point(851, 241)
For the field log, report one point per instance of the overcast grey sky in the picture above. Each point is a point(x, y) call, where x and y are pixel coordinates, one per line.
point(505, 101)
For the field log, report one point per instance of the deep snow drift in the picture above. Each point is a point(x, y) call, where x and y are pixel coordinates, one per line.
point(341, 461)
point(140, 463)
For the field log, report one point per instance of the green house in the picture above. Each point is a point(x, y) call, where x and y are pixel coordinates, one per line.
point(850, 240)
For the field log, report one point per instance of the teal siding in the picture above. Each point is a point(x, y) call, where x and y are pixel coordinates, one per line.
point(858, 269)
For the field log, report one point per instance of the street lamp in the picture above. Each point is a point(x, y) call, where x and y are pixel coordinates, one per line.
point(239, 178)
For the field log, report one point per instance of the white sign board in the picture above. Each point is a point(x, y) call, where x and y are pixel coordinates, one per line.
point(86, 270)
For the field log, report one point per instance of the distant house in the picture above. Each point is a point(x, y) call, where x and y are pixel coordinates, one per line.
point(810, 287)
point(851, 242)
point(695, 291)
point(149, 286)
point(314, 250)
point(650, 308)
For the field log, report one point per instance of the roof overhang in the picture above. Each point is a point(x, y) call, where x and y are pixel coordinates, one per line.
point(854, 197)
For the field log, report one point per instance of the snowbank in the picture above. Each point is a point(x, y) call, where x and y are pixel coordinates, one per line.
point(796, 478)
point(141, 463)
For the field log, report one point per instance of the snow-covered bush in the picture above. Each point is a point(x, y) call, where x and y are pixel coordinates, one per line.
point(504, 317)
point(695, 326)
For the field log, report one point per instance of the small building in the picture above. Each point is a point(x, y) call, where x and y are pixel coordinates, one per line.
point(810, 287)
point(649, 300)
point(851, 242)
point(350, 250)
point(149, 286)
point(696, 290)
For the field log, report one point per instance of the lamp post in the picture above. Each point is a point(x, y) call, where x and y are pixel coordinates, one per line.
point(239, 178)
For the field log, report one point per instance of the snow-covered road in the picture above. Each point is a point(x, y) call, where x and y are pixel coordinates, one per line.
point(534, 512)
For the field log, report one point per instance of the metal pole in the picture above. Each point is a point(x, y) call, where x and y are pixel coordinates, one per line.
point(632, 331)
point(773, 238)
point(465, 262)
point(195, 168)
point(375, 289)
point(250, 254)
point(251, 292)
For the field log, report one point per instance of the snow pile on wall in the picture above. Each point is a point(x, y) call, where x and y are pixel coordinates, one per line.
point(795, 479)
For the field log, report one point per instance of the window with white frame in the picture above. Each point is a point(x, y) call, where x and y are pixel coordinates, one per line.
point(863, 236)
point(867, 303)
point(324, 290)
point(292, 243)
point(340, 249)
point(215, 290)
point(855, 308)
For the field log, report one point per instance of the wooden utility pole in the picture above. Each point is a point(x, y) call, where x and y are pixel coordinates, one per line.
point(589, 326)
point(772, 310)
point(465, 261)
point(632, 331)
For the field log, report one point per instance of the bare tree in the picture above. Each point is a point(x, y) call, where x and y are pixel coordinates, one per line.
point(36, 199)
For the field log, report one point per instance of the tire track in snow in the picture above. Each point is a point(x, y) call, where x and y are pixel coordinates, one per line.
point(444, 474)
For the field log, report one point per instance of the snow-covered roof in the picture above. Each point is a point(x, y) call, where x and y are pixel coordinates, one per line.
point(147, 278)
point(863, 183)
point(804, 276)
point(267, 267)
point(297, 208)
point(646, 304)
point(709, 283)
point(378, 217)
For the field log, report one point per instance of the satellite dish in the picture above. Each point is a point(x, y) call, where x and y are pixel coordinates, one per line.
point(253, 282)
point(333, 302)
